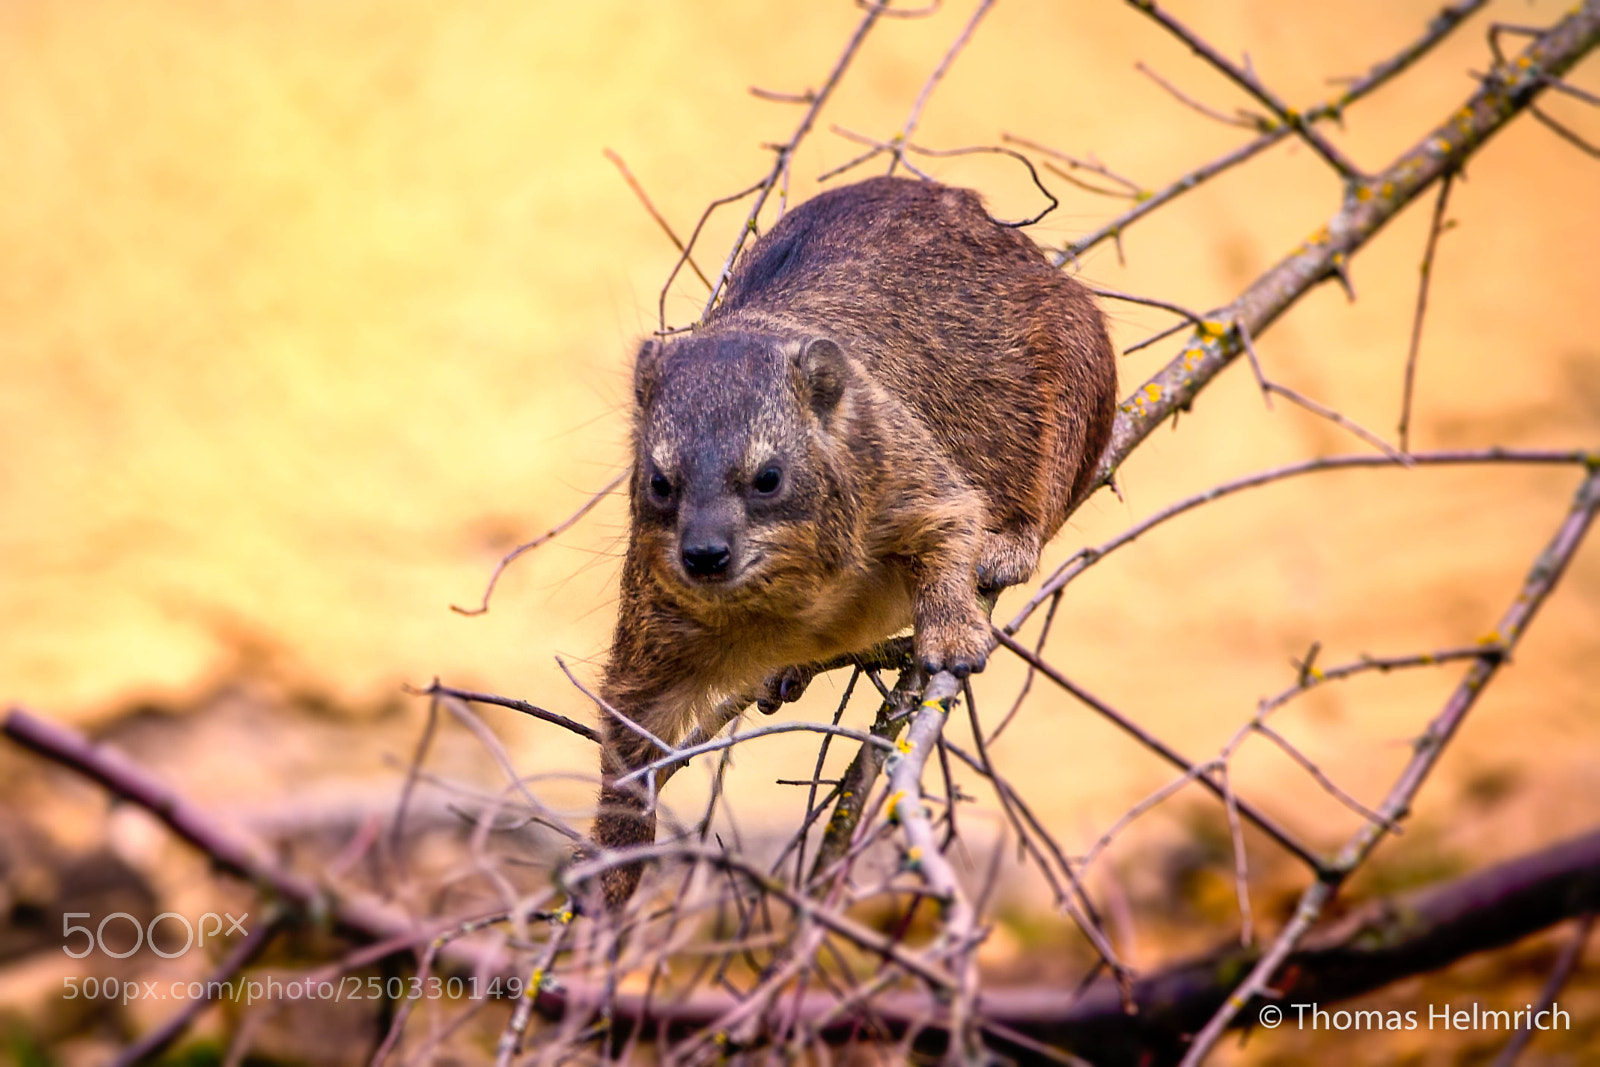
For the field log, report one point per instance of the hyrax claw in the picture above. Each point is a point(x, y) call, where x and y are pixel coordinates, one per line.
point(961, 651)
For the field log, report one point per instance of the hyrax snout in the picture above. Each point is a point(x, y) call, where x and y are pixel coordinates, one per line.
point(896, 404)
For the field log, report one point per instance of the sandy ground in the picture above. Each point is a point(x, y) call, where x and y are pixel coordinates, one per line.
point(308, 312)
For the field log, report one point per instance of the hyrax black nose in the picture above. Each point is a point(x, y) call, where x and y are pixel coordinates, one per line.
point(707, 560)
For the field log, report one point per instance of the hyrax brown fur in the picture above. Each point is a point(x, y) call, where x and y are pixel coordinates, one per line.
point(896, 403)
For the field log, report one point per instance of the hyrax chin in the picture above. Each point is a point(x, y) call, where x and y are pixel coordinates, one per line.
point(895, 405)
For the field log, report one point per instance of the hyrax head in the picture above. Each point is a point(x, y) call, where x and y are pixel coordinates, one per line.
point(732, 434)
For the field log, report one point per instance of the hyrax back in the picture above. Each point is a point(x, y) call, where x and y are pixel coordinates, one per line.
point(896, 404)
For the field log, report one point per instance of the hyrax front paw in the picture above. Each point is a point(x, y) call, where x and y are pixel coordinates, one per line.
point(784, 687)
point(958, 645)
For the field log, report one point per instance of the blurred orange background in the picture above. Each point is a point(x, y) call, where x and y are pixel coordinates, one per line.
point(309, 311)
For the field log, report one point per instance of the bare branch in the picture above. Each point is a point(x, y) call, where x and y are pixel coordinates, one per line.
point(1364, 213)
point(230, 849)
point(245, 952)
point(1242, 77)
point(1380, 942)
point(861, 774)
point(1440, 27)
point(1088, 557)
point(958, 935)
point(533, 710)
point(1542, 578)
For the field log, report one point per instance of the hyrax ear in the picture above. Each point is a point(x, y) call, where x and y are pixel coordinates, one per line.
point(646, 369)
point(824, 373)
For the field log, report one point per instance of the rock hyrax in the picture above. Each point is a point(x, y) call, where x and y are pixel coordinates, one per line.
point(896, 404)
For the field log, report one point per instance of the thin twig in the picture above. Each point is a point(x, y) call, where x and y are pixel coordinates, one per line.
point(1027, 680)
point(1342, 421)
point(1267, 825)
point(1568, 89)
point(840, 924)
point(1566, 133)
point(1436, 228)
point(909, 127)
point(512, 1036)
point(1083, 560)
point(675, 756)
point(784, 155)
point(533, 710)
point(666, 227)
point(554, 532)
point(1242, 77)
point(781, 98)
point(1092, 165)
point(1078, 905)
point(1255, 363)
point(244, 952)
point(999, 150)
point(1317, 773)
point(958, 929)
point(862, 773)
point(816, 780)
point(1241, 860)
point(1243, 119)
point(1088, 187)
point(694, 237)
point(1566, 963)
point(1192, 317)
point(397, 852)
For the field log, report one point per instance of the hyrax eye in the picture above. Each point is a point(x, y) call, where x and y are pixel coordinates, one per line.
point(660, 486)
point(768, 481)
